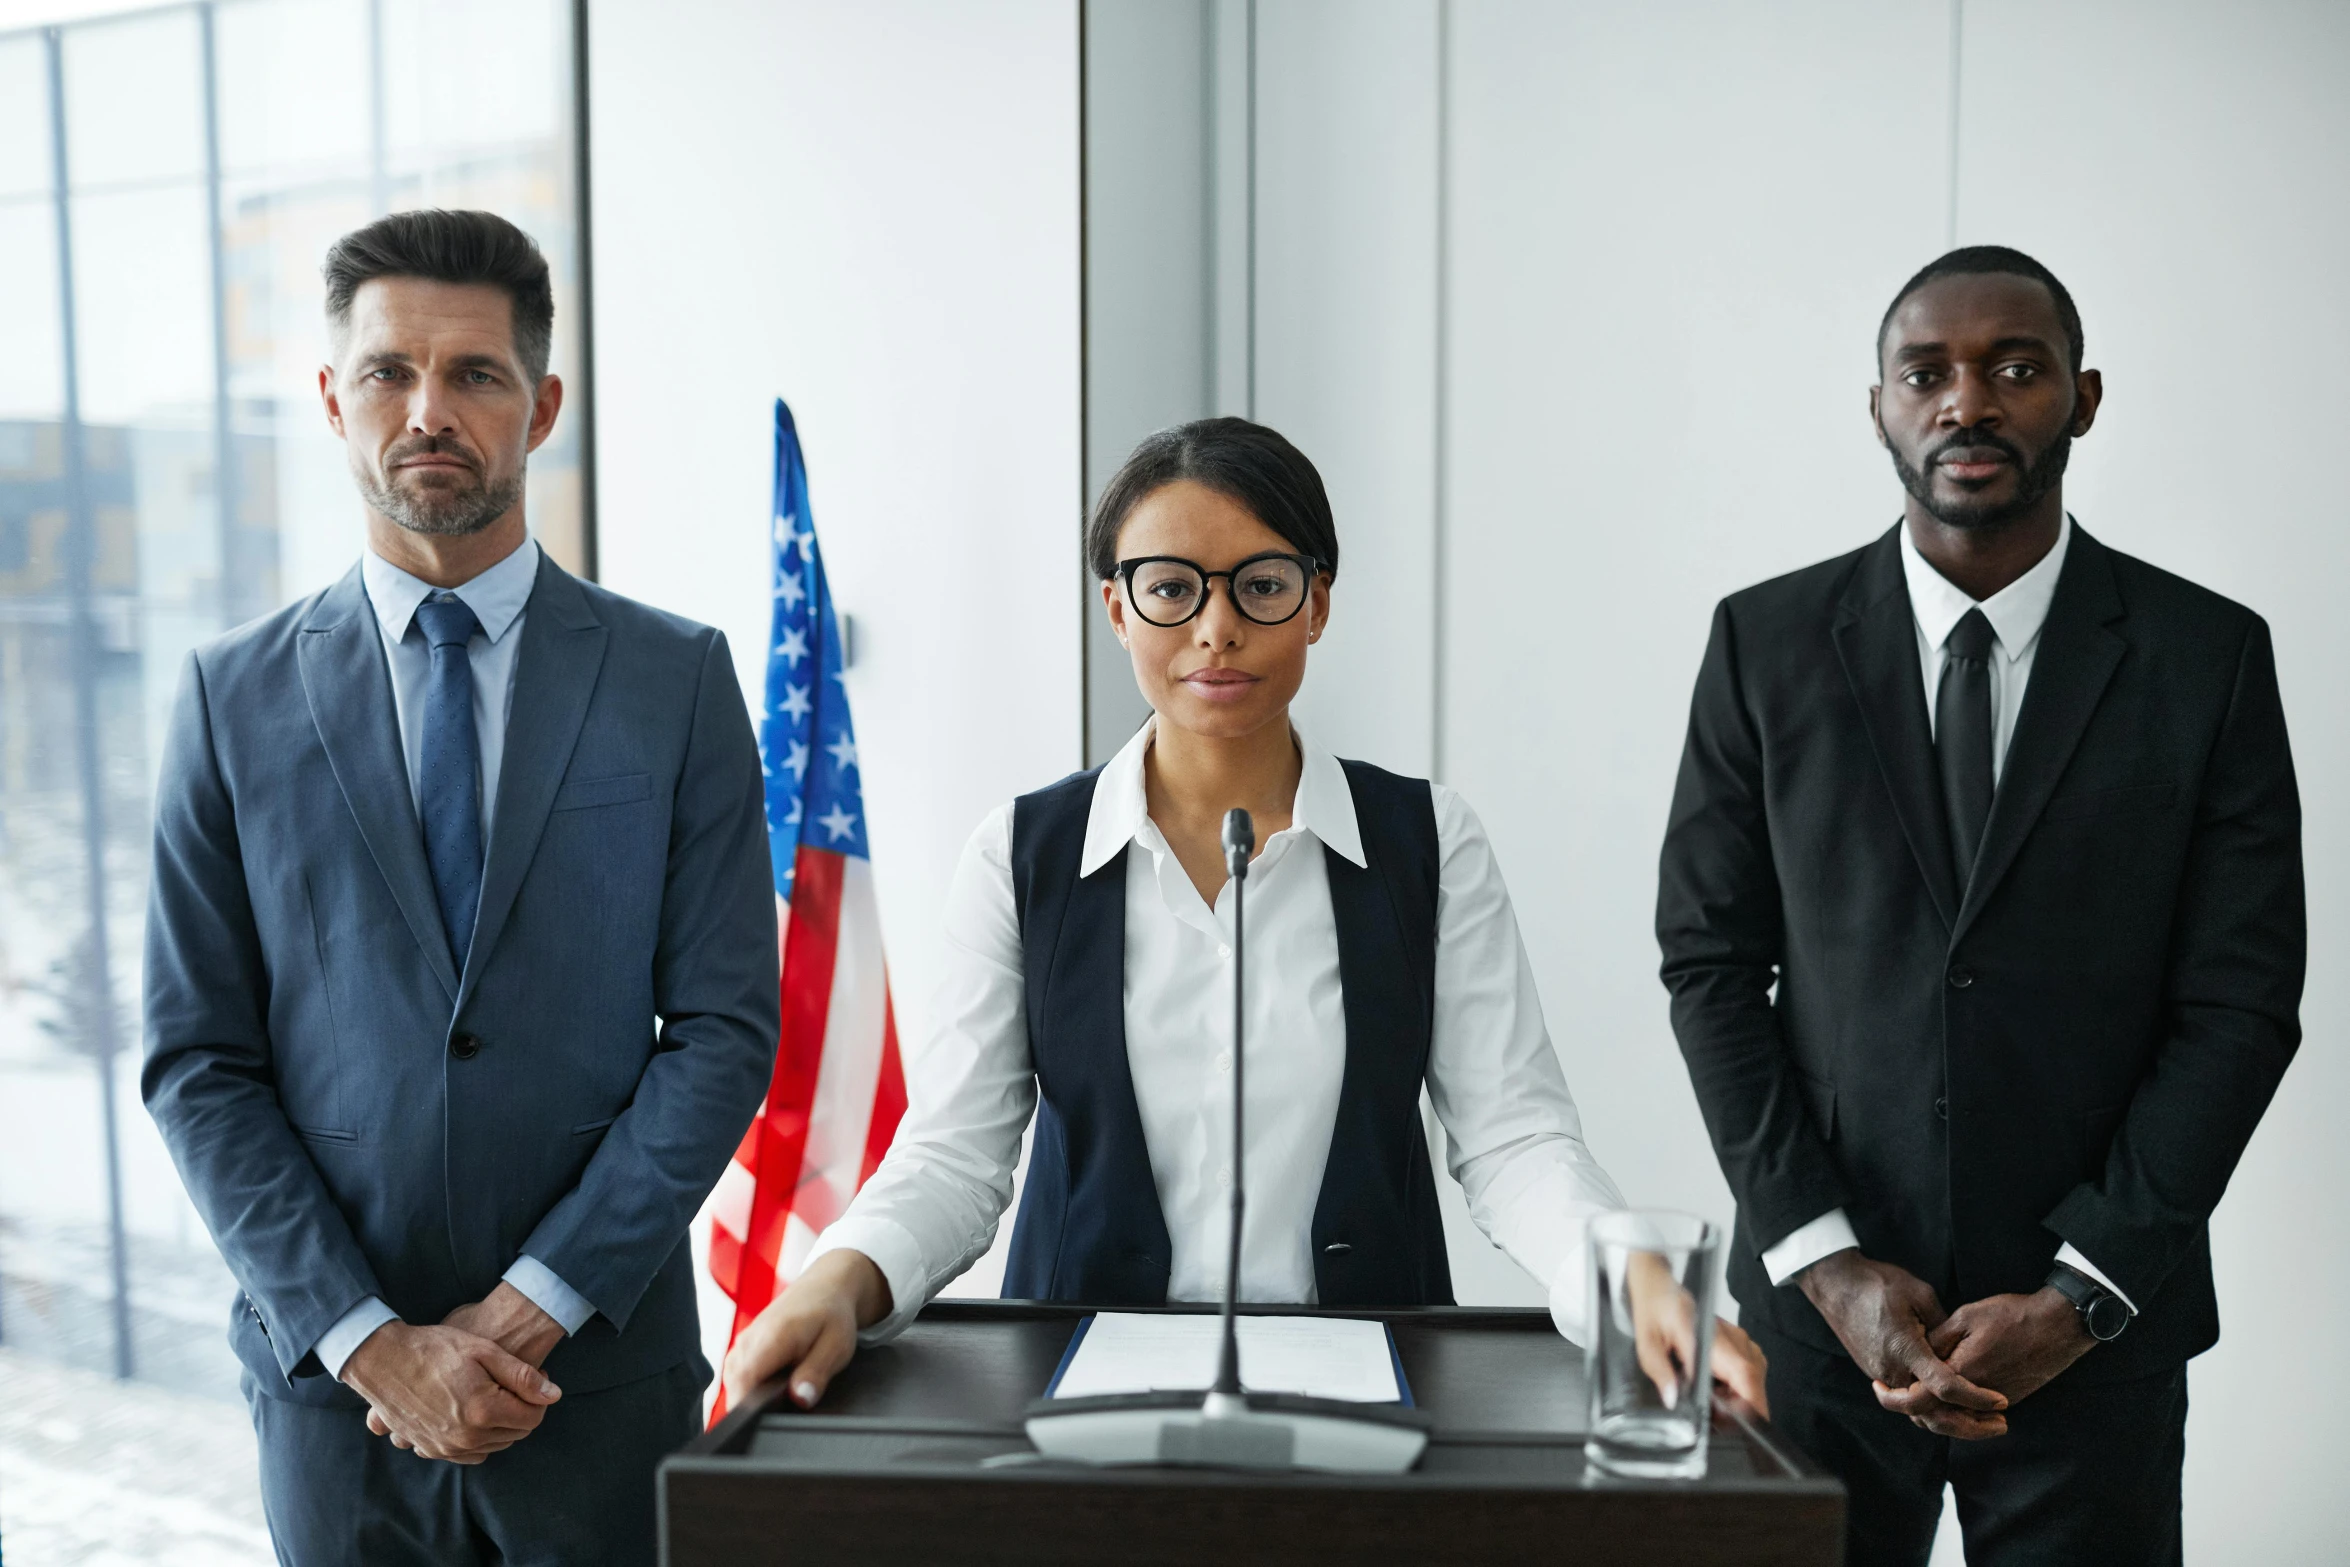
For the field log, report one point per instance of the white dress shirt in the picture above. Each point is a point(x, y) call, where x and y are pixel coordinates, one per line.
point(497, 598)
point(1936, 605)
point(1516, 1142)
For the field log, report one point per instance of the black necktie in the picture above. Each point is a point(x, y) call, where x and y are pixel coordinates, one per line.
point(1962, 736)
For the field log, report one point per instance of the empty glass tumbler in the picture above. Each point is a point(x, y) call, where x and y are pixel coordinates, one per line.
point(1653, 1277)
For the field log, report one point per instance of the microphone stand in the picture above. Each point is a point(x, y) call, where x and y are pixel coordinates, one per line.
point(1240, 843)
point(1231, 1427)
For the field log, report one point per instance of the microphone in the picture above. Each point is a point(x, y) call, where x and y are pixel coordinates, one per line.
point(1240, 843)
point(1230, 1428)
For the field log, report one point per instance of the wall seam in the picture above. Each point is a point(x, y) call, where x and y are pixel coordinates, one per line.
point(1957, 58)
point(1440, 520)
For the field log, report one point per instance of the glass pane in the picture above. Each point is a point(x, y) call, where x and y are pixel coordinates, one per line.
point(133, 100)
point(32, 372)
point(278, 110)
point(24, 117)
point(143, 286)
point(211, 490)
point(498, 94)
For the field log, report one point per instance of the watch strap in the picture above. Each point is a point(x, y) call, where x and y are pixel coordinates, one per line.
point(2087, 1297)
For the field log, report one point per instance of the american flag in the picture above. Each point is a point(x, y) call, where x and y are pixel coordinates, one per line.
point(839, 1088)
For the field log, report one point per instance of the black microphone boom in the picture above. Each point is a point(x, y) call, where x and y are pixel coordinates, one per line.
point(1240, 842)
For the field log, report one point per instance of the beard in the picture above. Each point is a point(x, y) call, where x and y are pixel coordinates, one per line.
point(439, 507)
point(2035, 478)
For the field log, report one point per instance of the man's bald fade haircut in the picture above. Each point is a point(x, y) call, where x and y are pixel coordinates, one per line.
point(1976, 261)
point(449, 247)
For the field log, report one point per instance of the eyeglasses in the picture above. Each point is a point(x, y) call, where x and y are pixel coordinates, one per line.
point(1167, 590)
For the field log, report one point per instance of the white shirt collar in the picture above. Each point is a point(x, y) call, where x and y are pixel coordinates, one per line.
point(496, 597)
point(1325, 805)
point(2016, 612)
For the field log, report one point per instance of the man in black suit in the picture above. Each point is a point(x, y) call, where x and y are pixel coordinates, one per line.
point(1982, 915)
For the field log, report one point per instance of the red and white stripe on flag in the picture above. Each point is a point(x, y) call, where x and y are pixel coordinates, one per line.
point(836, 1096)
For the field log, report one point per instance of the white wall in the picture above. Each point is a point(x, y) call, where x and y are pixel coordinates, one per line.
point(871, 210)
point(2186, 170)
point(1668, 233)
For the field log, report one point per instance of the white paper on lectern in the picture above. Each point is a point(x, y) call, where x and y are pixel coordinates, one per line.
point(1323, 1357)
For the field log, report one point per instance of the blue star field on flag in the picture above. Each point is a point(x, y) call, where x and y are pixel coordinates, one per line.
point(807, 746)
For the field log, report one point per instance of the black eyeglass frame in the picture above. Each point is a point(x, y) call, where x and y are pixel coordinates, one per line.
point(1127, 568)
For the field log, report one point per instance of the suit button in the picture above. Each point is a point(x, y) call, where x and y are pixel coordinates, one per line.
point(1941, 1109)
point(464, 1046)
point(1961, 977)
point(1336, 1249)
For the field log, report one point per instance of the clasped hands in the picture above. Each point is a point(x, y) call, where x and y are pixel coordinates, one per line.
point(462, 1390)
point(1953, 1373)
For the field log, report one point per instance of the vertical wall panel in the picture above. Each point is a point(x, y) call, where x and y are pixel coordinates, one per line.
point(1346, 338)
point(2182, 168)
point(1151, 298)
point(871, 210)
point(1672, 232)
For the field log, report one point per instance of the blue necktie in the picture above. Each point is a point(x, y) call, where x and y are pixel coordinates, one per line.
point(448, 789)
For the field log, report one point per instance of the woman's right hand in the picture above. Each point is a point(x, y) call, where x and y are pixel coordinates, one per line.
point(810, 1330)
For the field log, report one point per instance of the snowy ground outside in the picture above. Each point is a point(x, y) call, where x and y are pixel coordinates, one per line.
point(100, 1473)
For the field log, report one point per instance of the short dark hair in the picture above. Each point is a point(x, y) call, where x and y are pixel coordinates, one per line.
point(1975, 260)
point(449, 247)
point(1250, 463)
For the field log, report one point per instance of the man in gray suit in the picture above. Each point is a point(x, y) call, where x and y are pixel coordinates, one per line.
point(461, 966)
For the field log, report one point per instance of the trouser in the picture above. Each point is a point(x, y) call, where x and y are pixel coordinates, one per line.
point(2087, 1473)
point(576, 1492)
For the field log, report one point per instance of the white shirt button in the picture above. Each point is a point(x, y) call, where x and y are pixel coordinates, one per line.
point(1223, 1060)
point(1224, 1178)
point(1223, 951)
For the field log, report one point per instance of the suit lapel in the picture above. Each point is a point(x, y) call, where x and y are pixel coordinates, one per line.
point(554, 676)
point(1877, 642)
point(340, 653)
point(2076, 660)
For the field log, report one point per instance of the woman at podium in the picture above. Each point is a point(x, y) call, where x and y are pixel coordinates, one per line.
point(1089, 952)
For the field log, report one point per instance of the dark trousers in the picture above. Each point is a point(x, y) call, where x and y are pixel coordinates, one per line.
point(2087, 1473)
point(577, 1492)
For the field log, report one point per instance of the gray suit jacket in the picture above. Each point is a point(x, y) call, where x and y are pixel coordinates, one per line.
point(352, 1114)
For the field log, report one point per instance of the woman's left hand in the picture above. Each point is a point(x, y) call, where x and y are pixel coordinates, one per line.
point(1740, 1366)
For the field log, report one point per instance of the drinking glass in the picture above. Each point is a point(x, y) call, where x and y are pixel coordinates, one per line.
point(1652, 1295)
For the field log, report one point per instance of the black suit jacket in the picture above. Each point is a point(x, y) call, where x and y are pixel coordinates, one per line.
point(2073, 1044)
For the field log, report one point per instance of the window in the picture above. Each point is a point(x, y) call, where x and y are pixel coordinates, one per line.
point(165, 473)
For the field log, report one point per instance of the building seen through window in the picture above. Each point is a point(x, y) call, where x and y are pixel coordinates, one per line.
point(169, 180)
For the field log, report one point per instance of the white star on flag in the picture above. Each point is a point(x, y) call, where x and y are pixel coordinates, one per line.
point(844, 751)
point(838, 822)
point(789, 590)
point(797, 760)
point(796, 703)
point(807, 543)
point(785, 533)
point(793, 647)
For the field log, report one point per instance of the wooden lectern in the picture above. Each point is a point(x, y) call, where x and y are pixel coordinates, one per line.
point(916, 1456)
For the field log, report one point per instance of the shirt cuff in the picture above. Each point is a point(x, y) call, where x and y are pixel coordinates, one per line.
point(541, 1288)
point(890, 1248)
point(1826, 1235)
point(1570, 1299)
point(2069, 1255)
point(336, 1344)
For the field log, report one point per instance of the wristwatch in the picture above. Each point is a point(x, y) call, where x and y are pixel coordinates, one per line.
point(2102, 1312)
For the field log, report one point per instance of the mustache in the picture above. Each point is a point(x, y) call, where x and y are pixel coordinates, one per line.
point(413, 446)
point(1976, 440)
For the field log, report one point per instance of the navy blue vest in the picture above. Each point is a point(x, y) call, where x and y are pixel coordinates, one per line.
point(1090, 1229)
